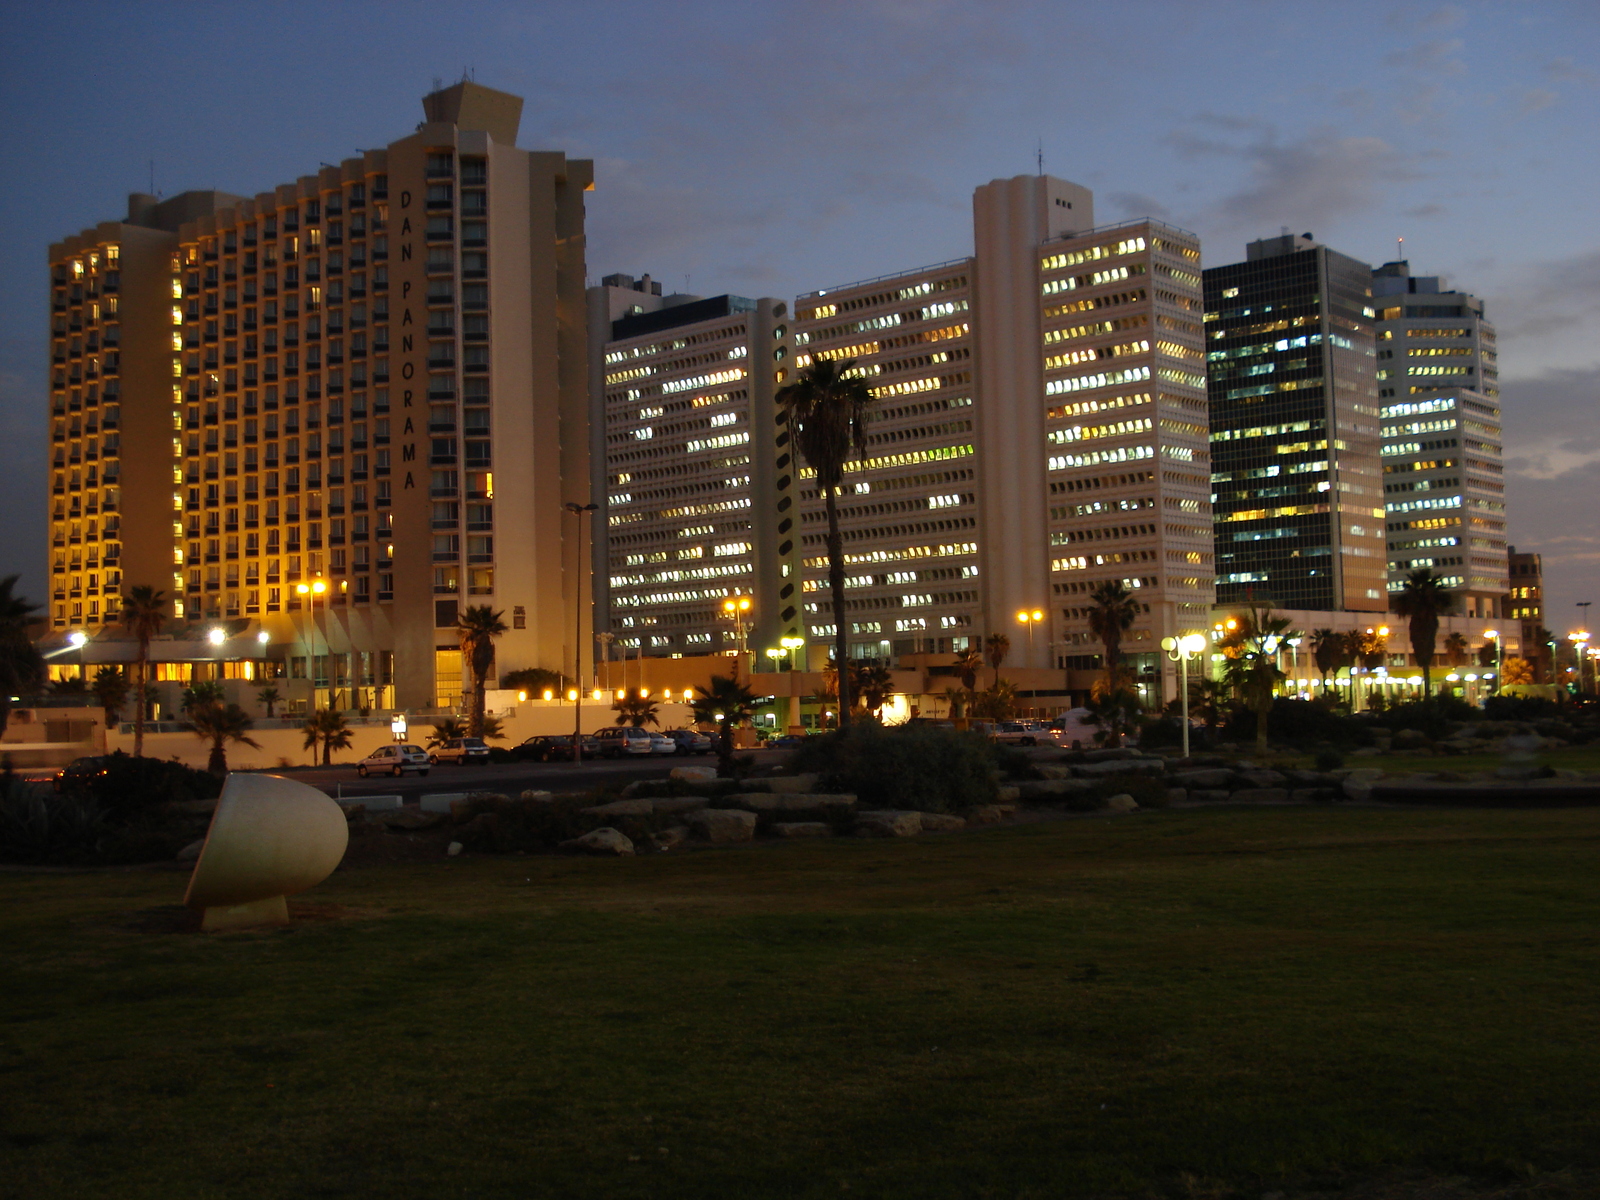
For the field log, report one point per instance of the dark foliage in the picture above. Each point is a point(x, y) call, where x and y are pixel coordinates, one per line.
point(1434, 716)
point(1168, 731)
point(1329, 760)
point(1302, 723)
point(1013, 762)
point(909, 766)
point(37, 826)
point(505, 826)
point(1522, 708)
point(131, 786)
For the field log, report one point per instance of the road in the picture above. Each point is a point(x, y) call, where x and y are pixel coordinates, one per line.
point(508, 778)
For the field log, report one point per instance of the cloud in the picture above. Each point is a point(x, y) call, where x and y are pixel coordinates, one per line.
point(1566, 70)
point(1550, 419)
point(1438, 54)
point(1535, 99)
point(1136, 204)
point(1320, 177)
point(1424, 212)
point(1552, 296)
point(1539, 512)
point(1437, 20)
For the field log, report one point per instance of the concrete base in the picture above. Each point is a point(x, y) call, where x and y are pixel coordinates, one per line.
point(440, 801)
point(273, 910)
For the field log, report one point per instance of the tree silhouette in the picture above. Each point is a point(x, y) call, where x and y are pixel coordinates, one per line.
point(144, 612)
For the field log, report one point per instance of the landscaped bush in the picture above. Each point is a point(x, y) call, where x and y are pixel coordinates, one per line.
point(131, 786)
point(1521, 708)
point(39, 827)
point(911, 766)
point(505, 826)
point(1433, 717)
point(1161, 732)
point(1301, 723)
point(1013, 762)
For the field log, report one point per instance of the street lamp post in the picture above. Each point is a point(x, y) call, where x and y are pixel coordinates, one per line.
point(605, 638)
point(578, 511)
point(1579, 639)
point(1493, 635)
point(736, 607)
point(1181, 650)
point(1030, 618)
point(311, 591)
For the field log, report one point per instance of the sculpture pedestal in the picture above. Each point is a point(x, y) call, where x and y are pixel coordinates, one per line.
point(273, 910)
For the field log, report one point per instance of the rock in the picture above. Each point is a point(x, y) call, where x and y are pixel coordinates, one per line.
point(1208, 795)
point(1008, 794)
point(1120, 803)
point(1035, 789)
point(1122, 766)
point(693, 774)
point(1260, 795)
point(941, 823)
point(986, 814)
point(802, 829)
point(1007, 808)
point(723, 824)
point(484, 822)
point(789, 784)
point(639, 787)
point(1315, 795)
point(621, 808)
point(533, 796)
point(192, 851)
point(602, 841)
point(1357, 784)
point(888, 822)
point(1261, 778)
point(454, 848)
point(354, 812)
point(768, 804)
point(411, 822)
point(463, 810)
point(1367, 751)
point(1097, 756)
point(1054, 770)
point(1409, 739)
point(1214, 778)
point(672, 805)
point(672, 838)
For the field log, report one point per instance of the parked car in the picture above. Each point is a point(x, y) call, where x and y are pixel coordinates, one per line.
point(1074, 729)
point(394, 759)
point(1020, 733)
point(788, 741)
point(462, 751)
point(618, 741)
point(690, 741)
point(660, 743)
point(555, 749)
point(78, 772)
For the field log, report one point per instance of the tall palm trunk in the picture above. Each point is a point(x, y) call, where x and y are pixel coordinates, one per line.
point(841, 631)
point(139, 701)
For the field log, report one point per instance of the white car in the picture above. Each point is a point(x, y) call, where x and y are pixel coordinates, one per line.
point(395, 760)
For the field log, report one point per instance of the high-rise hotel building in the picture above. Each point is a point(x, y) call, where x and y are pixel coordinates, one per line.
point(1039, 428)
point(1296, 471)
point(1444, 480)
point(371, 383)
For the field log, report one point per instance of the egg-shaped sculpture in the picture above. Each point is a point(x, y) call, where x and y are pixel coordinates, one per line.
point(269, 838)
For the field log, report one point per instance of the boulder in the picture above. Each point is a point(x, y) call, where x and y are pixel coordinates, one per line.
point(622, 808)
point(888, 822)
point(1054, 770)
point(985, 814)
point(1008, 793)
point(1259, 795)
point(603, 841)
point(1369, 751)
point(537, 795)
point(192, 851)
point(1315, 795)
point(1121, 766)
point(1208, 795)
point(1260, 778)
point(768, 804)
point(1121, 803)
point(693, 774)
point(672, 805)
point(1357, 784)
point(1116, 752)
point(463, 810)
point(1035, 789)
point(1213, 778)
point(354, 813)
point(802, 829)
point(723, 824)
point(671, 838)
point(941, 823)
point(1409, 739)
point(790, 784)
point(453, 849)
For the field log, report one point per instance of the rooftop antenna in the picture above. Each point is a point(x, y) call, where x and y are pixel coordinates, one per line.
point(1039, 156)
point(1400, 249)
point(152, 177)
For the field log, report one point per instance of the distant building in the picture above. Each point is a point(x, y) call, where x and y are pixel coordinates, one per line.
point(1525, 606)
point(1296, 470)
point(1444, 486)
point(368, 383)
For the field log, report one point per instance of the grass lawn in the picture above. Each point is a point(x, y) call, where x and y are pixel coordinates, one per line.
point(1188, 1002)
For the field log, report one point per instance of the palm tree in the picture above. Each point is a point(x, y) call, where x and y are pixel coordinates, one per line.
point(1250, 663)
point(21, 666)
point(637, 711)
point(144, 612)
point(77, 685)
point(958, 701)
point(477, 627)
point(328, 728)
point(968, 663)
point(995, 703)
point(446, 728)
point(1112, 612)
point(203, 691)
point(1327, 650)
point(1422, 600)
point(725, 703)
point(1455, 649)
point(221, 723)
point(270, 697)
point(111, 689)
point(995, 648)
point(825, 409)
point(874, 684)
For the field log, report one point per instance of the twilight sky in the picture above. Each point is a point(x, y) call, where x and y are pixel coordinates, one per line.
point(772, 148)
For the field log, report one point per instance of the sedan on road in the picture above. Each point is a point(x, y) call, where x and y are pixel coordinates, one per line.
point(690, 741)
point(394, 760)
point(465, 751)
point(555, 749)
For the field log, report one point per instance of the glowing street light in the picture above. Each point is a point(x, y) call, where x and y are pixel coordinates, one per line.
point(1030, 619)
point(1181, 650)
point(1493, 635)
point(216, 637)
point(311, 591)
point(736, 607)
point(791, 644)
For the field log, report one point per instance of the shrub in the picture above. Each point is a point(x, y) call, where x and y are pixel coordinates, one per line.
point(1012, 762)
point(908, 767)
point(1329, 760)
point(504, 825)
point(1521, 708)
point(1167, 731)
point(1432, 717)
point(131, 786)
point(38, 827)
point(1302, 722)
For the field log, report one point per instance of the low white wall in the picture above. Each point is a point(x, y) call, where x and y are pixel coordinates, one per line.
point(284, 747)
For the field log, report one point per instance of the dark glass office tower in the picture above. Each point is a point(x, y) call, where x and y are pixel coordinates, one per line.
point(1297, 482)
